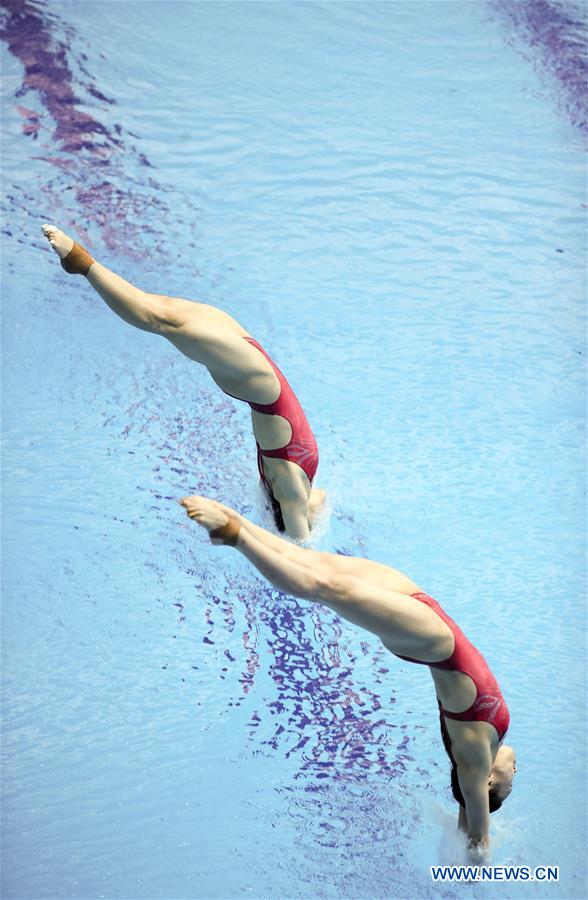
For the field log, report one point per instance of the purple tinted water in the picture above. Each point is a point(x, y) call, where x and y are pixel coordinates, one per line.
point(555, 35)
point(391, 200)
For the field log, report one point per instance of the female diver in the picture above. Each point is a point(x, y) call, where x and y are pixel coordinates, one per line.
point(474, 716)
point(287, 454)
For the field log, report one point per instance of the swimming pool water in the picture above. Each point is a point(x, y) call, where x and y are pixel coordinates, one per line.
point(391, 197)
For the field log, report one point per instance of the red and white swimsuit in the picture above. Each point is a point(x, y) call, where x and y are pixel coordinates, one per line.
point(301, 448)
point(489, 705)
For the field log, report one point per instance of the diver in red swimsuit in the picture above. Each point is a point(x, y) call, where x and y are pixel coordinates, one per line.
point(287, 453)
point(474, 715)
point(301, 449)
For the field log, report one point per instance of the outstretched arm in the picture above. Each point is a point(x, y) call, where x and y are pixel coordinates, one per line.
point(474, 760)
point(474, 787)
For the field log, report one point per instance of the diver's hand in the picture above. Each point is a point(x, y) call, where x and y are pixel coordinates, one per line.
point(478, 852)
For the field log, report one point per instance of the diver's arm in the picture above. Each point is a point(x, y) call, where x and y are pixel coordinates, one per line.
point(295, 516)
point(474, 787)
point(474, 760)
point(291, 494)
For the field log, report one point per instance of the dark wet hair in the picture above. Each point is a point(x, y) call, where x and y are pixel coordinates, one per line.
point(494, 801)
point(276, 511)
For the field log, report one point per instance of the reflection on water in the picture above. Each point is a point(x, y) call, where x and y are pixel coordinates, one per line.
point(103, 182)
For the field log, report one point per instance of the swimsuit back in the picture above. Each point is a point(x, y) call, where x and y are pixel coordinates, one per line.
point(302, 447)
point(489, 705)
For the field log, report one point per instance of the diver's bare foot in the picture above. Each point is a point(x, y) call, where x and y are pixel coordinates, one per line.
point(61, 242)
point(221, 522)
point(75, 259)
point(316, 502)
point(230, 513)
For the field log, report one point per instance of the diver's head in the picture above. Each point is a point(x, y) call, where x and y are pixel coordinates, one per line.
point(499, 780)
point(501, 775)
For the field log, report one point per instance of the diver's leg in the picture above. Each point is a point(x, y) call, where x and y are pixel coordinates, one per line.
point(226, 526)
point(390, 614)
point(127, 301)
point(367, 569)
point(150, 312)
point(329, 565)
point(278, 544)
point(203, 333)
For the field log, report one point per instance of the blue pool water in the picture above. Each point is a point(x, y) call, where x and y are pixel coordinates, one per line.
point(391, 197)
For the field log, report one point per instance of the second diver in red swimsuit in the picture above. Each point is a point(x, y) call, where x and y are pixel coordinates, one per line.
point(411, 625)
point(287, 453)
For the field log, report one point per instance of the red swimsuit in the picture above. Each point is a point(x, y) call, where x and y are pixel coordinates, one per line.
point(301, 448)
point(489, 705)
